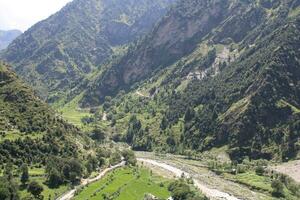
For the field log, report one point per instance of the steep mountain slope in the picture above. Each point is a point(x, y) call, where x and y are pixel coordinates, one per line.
point(177, 35)
point(6, 37)
point(58, 52)
point(230, 77)
point(29, 129)
point(253, 105)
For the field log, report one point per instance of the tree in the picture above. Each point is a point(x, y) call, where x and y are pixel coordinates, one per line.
point(8, 185)
point(277, 186)
point(35, 189)
point(25, 174)
point(189, 114)
point(115, 158)
point(164, 123)
point(134, 129)
point(8, 171)
point(129, 157)
point(4, 189)
point(76, 171)
point(91, 164)
point(180, 190)
point(259, 170)
point(55, 178)
point(98, 135)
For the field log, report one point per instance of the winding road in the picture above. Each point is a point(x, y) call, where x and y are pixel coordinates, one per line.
point(213, 194)
point(70, 194)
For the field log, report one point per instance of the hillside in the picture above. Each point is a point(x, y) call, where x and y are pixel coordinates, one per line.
point(206, 85)
point(30, 130)
point(6, 37)
point(57, 53)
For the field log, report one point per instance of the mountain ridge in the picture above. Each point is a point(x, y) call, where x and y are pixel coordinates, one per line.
point(6, 37)
point(57, 53)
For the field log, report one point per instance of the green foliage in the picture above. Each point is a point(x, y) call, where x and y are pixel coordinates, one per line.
point(25, 174)
point(234, 82)
point(180, 190)
point(8, 189)
point(129, 157)
point(35, 189)
point(115, 158)
point(277, 187)
point(98, 135)
point(61, 170)
point(125, 183)
point(259, 170)
point(53, 62)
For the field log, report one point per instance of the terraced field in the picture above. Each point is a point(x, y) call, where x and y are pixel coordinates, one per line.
point(126, 184)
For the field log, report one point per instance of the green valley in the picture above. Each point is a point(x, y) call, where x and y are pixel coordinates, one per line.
point(145, 100)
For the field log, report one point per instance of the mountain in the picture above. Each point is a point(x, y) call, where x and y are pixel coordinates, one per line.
point(30, 130)
point(177, 35)
point(6, 37)
point(57, 53)
point(211, 74)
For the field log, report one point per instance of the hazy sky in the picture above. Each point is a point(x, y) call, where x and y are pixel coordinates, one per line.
point(22, 14)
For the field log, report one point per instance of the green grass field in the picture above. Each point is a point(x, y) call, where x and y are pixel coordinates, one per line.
point(252, 180)
point(72, 113)
point(38, 175)
point(260, 183)
point(48, 193)
point(126, 184)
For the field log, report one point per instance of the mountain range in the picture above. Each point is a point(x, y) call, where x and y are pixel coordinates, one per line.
point(6, 37)
point(174, 76)
point(57, 53)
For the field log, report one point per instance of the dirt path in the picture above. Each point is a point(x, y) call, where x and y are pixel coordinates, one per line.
point(104, 117)
point(141, 95)
point(210, 193)
point(70, 194)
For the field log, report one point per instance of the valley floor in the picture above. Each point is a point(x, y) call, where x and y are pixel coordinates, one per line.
point(212, 185)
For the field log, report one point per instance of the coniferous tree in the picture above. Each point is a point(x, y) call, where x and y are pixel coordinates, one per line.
point(25, 174)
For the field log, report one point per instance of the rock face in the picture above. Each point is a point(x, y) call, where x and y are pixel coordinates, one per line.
point(55, 54)
point(177, 35)
point(6, 37)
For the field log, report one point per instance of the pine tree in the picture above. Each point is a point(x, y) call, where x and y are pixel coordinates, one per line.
point(25, 174)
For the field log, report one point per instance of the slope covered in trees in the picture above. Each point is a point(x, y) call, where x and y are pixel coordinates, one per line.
point(55, 54)
point(230, 77)
point(30, 130)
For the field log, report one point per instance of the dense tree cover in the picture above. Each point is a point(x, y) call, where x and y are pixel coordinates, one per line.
point(61, 170)
point(83, 36)
point(30, 129)
point(249, 110)
point(137, 136)
point(8, 186)
point(248, 100)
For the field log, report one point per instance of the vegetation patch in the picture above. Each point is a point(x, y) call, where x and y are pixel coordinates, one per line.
point(126, 184)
